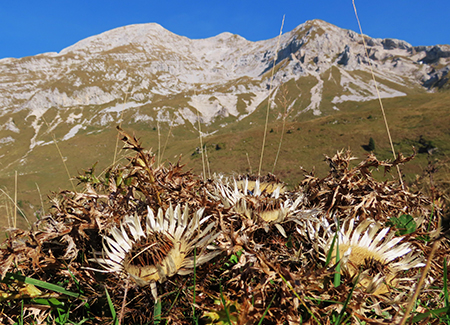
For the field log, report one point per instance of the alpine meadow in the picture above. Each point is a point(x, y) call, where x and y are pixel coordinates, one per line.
point(149, 178)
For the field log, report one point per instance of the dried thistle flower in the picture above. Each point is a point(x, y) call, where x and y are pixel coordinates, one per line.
point(163, 248)
point(368, 247)
point(256, 200)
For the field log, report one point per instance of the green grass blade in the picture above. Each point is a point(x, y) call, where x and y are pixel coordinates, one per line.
point(157, 312)
point(445, 283)
point(111, 308)
point(227, 313)
point(175, 300)
point(337, 274)
point(341, 314)
point(76, 281)
point(423, 316)
point(39, 283)
point(265, 311)
point(21, 314)
point(325, 300)
point(330, 251)
point(193, 299)
point(301, 300)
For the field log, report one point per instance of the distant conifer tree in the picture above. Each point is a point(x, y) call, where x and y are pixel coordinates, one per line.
point(371, 146)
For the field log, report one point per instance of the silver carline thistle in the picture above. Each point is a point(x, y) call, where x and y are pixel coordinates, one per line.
point(267, 201)
point(162, 248)
point(368, 247)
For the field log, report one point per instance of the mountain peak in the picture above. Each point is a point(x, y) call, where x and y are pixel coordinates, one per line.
point(226, 36)
point(218, 80)
point(137, 33)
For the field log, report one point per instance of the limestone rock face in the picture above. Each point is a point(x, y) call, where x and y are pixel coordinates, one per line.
point(437, 79)
point(154, 75)
point(433, 54)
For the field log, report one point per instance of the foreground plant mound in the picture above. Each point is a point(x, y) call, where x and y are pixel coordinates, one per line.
point(153, 244)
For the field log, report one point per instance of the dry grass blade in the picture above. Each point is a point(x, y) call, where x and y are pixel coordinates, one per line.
point(400, 179)
point(269, 99)
point(420, 283)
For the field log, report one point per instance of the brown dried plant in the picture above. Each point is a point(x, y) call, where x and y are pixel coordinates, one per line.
point(262, 273)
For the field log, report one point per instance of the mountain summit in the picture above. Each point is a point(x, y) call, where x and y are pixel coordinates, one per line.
point(145, 76)
point(212, 75)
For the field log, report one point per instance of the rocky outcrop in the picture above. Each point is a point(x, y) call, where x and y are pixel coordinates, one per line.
point(344, 57)
point(167, 77)
point(434, 53)
point(437, 79)
point(391, 44)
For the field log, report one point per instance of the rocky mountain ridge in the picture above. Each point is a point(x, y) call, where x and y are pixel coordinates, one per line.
point(146, 74)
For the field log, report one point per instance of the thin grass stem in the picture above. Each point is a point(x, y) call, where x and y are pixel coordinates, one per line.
point(282, 132)
point(300, 299)
point(266, 310)
point(201, 144)
point(337, 274)
point(8, 213)
point(40, 197)
point(176, 298)
point(15, 198)
point(21, 313)
point(120, 124)
point(420, 283)
point(60, 155)
point(111, 308)
point(330, 251)
point(269, 99)
point(124, 301)
point(445, 284)
point(207, 163)
point(193, 294)
point(344, 307)
point(249, 165)
point(167, 139)
point(16, 207)
point(159, 142)
point(379, 96)
point(225, 308)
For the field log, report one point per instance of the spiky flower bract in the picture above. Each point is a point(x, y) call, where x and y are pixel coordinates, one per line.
point(162, 248)
point(367, 248)
point(263, 202)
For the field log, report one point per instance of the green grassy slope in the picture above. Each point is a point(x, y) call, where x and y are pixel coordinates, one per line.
point(419, 119)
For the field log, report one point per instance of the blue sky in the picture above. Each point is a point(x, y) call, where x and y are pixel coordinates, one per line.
point(33, 27)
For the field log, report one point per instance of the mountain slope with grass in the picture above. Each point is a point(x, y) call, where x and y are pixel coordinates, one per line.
point(168, 88)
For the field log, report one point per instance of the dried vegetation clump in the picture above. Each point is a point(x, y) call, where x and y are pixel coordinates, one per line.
point(146, 243)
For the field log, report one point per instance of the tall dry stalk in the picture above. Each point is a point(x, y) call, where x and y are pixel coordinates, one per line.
point(420, 283)
point(269, 98)
point(201, 144)
point(60, 155)
point(120, 123)
point(207, 163)
point(16, 207)
point(159, 142)
point(15, 199)
point(378, 95)
point(167, 140)
point(249, 165)
point(284, 104)
point(40, 197)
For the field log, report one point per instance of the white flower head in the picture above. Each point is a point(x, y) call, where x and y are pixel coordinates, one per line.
point(367, 248)
point(162, 248)
point(267, 201)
